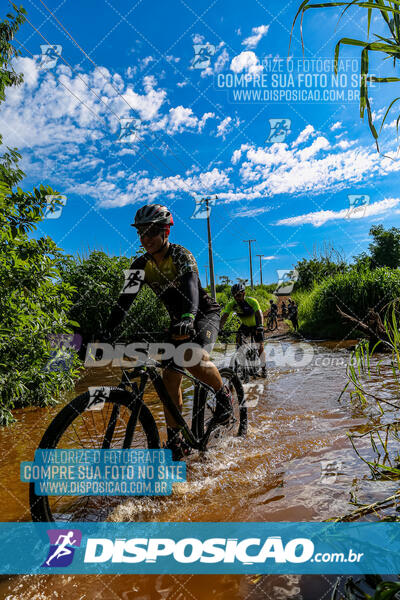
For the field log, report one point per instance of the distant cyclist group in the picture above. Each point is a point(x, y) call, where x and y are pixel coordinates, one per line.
point(171, 272)
point(290, 312)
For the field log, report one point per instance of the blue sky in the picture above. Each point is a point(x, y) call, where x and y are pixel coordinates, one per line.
point(192, 137)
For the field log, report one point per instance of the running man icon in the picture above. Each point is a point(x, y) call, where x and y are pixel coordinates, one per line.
point(63, 543)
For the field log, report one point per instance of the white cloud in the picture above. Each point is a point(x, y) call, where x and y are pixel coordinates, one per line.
point(221, 61)
point(217, 64)
point(321, 143)
point(236, 156)
point(131, 72)
point(344, 144)
point(253, 212)
point(182, 83)
point(304, 135)
point(246, 61)
point(323, 216)
point(145, 189)
point(197, 38)
point(336, 125)
point(181, 119)
point(144, 63)
point(204, 119)
point(43, 113)
point(258, 33)
point(378, 114)
point(172, 59)
point(226, 127)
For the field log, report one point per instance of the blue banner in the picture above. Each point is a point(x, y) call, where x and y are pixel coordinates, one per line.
point(293, 548)
point(63, 472)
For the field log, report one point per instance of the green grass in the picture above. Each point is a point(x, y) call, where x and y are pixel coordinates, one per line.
point(354, 292)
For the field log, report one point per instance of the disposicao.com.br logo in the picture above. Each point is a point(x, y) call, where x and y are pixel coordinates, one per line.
point(63, 543)
point(270, 547)
point(247, 551)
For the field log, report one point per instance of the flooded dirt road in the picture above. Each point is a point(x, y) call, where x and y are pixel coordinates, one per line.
point(296, 464)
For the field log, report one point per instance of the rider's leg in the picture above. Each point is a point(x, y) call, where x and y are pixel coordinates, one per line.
point(204, 369)
point(172, 381)
point(261, 354)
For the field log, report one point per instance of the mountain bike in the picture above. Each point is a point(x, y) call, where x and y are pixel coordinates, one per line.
point(271, 321)
point(246, 361)
point(117, 418)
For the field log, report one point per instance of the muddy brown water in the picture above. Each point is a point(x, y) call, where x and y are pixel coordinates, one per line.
point(277, 473)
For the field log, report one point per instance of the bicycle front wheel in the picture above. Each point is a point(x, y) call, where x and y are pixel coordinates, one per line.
point(207, 406)
point(115, 419)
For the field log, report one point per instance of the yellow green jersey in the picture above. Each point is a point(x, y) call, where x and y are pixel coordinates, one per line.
point(246, 311)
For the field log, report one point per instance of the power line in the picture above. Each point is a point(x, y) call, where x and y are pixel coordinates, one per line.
point(67, 88)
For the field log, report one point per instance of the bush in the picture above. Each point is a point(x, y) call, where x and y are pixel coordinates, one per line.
point(98, 280)
point(34, 302)
point(315, 270)
point(354, 292)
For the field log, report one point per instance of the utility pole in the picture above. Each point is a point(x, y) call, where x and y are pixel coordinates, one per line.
point(251, 265)
point(260, 255)
point(210, 254)
point(206, 267)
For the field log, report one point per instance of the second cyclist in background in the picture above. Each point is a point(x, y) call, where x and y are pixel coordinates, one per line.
point(272, 319)
point(249, 312)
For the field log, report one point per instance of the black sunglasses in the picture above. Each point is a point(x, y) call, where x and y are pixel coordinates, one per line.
point(149, 231)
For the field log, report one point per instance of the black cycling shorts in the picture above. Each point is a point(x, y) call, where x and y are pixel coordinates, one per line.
point(207, 328)
point(206, 332)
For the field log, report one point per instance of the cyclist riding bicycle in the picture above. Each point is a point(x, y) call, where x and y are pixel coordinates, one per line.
point(273, 309)
point(249, 312)
point(171, 272)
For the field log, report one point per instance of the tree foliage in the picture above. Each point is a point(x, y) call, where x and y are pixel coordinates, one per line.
point(324, 262)
point(34, 303)
point(98, 280)
point(385, 247)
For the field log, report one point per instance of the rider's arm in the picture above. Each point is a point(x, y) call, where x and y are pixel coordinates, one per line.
point(225, 313)
point(124, 301)
point(189, 286)
point(259, 318)
point(224, 319)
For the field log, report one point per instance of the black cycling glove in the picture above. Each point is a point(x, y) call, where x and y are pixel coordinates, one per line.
point(184, 328)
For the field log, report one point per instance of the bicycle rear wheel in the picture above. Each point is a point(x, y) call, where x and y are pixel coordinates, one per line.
point(207, 406)
point(114, 419)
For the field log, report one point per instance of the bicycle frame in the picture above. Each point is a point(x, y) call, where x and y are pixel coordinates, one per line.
point(247, 346)
point(146, 373)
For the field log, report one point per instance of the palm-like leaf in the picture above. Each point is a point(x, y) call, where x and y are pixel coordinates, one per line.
point(389, 47)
